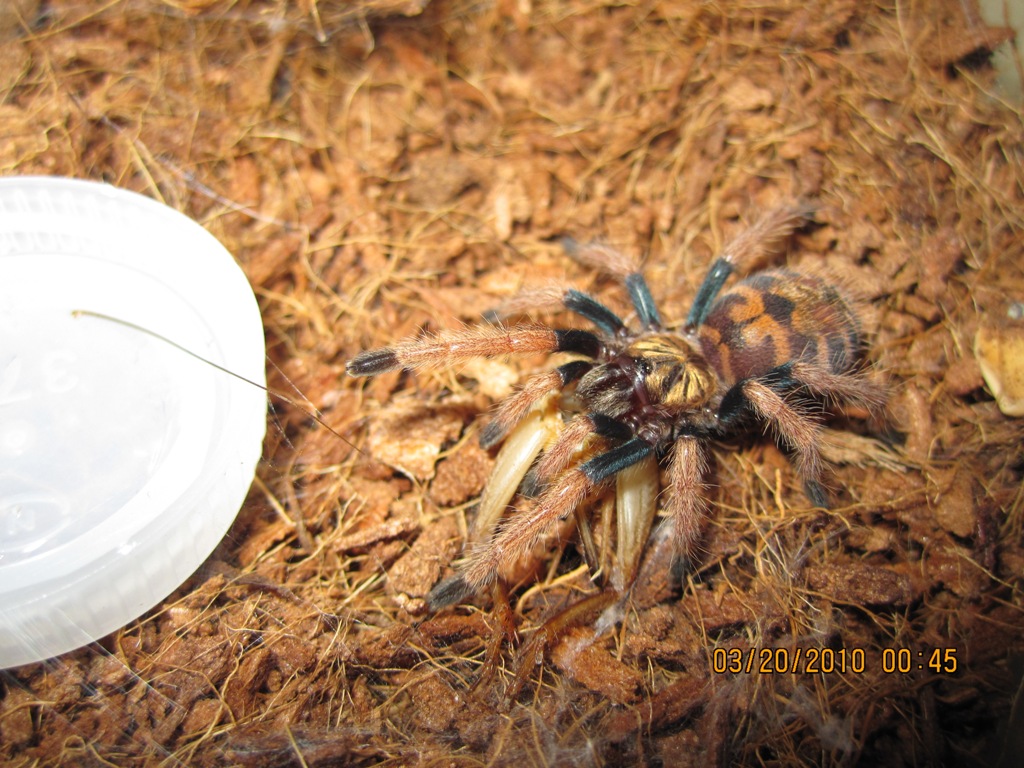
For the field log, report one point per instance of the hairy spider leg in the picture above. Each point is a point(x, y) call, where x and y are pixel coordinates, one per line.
point(765, 395)
point(516, 406)
point(581, 426)
point(588, 307)
point(605, 259)
point(518, 535)
point(449, 348)
point(620, 265)
point(553, 297)
point(790, 423)
point(849, 388)
point(740, 253)
point(687, 505)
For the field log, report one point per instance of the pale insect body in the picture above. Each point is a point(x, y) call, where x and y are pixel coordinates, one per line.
point(763, 350)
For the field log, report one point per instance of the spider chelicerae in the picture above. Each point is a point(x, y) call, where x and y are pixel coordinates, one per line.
point(771, 349)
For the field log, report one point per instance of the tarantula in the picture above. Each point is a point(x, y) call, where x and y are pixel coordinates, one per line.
point(766, 349)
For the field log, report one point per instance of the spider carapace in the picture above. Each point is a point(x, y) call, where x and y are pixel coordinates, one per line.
point(769, 349)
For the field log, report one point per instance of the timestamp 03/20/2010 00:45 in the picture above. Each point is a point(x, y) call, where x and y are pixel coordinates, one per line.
point(769, 661)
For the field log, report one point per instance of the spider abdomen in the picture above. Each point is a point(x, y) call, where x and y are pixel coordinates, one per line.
point(776, 317)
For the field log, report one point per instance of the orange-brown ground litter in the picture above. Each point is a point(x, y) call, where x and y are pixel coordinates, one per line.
point(387, 167)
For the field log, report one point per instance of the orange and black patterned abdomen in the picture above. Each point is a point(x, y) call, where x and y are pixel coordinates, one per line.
point(775, 317)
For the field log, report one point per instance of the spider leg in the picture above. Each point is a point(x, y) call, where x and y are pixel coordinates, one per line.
point(514, 408)
point(561, 453)
point(625, 268)
point(642, 299)
point(687, 506)
point(519, 535)
point(765, 236)
point(451, 347)
point(583, 304)
point(850, 388)
point(588, 307)
point(801, 432)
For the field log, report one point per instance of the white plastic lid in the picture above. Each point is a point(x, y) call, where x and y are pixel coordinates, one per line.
point(123, 460)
